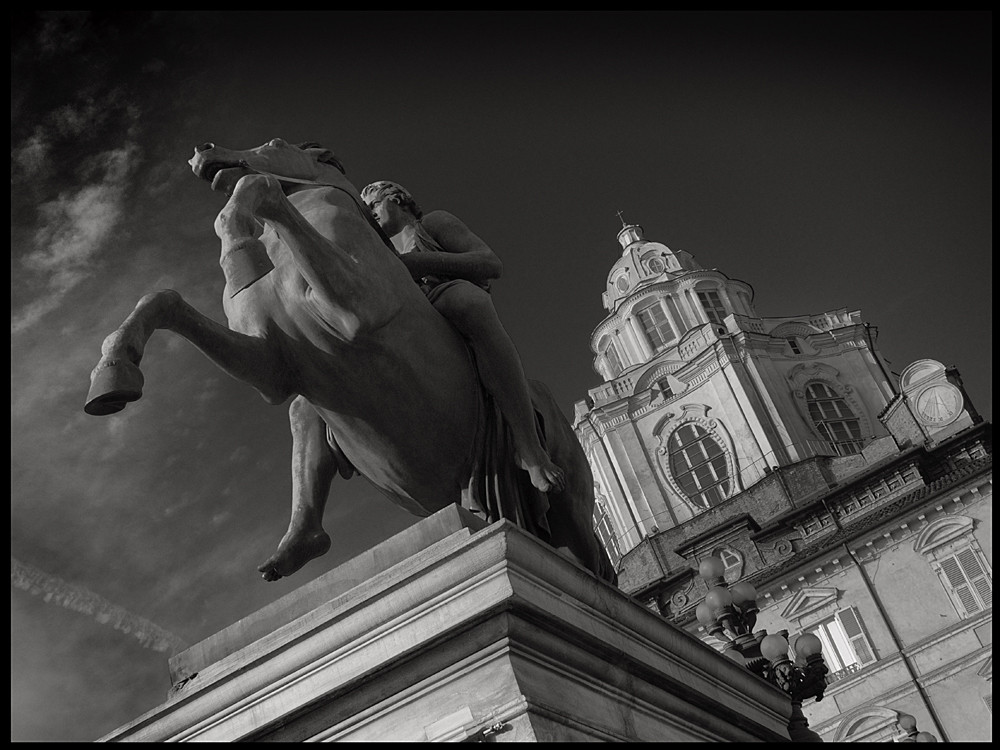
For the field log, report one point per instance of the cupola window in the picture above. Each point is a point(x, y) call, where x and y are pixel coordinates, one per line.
point(614, 361)
point(656, 326)
point(714, 309)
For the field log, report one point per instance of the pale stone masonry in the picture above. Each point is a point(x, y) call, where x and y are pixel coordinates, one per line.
point(858, 503)
point(455, 630)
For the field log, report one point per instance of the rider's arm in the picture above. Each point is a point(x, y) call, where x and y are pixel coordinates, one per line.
point(466, 256)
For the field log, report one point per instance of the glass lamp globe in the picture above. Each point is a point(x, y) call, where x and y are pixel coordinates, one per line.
point(808, 644)
point(735, 655)
point(925, 737)
point(743, 592)
point(717, 598)
point(906, 722)
point(711, 567)
point(774, 648)
point(704, 614)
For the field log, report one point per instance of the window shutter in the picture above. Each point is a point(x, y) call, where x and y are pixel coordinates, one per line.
point(959, 584)
point(850, 621)
point(978, 579)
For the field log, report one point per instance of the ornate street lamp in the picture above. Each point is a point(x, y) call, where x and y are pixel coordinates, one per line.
point(730, 615)
point(909, 725)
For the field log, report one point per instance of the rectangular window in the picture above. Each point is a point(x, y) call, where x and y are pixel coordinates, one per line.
point(714, 309)
point(794, 346)
point(675, 313)
point(845, 643)
point(606, 533)
point(658, 330)
point(850, 621)
point(967, 581)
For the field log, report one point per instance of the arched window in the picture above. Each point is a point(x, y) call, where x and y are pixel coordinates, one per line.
point(868, 724)
point(698, 464)
point(834, 419)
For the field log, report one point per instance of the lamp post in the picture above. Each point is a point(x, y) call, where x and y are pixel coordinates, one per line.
point(909, 725)
point(730, 615)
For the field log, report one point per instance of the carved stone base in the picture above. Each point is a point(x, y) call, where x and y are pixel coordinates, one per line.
point(487, 633)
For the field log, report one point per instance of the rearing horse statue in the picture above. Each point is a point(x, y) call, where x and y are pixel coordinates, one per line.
point(321, 310)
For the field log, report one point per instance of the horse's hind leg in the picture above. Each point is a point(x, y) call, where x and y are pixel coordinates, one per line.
point(315, 462)
point(116, 380)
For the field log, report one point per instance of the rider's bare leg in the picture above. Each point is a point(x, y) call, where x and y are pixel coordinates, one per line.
point(314, 465)
point(470, 309)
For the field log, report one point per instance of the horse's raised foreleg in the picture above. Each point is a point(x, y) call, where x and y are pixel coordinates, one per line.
point(315, 462)
point(116, 380)
point(347, 295)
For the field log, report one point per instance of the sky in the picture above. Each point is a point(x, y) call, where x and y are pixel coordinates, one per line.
point(830, 159)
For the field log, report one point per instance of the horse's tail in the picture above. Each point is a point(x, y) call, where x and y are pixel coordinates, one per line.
point(571, 512)
point(499, 489)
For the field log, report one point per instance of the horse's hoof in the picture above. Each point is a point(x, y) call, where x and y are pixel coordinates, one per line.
point(113, 384)
point(244, 263)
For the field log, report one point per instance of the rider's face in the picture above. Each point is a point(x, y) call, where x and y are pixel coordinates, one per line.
point(388, 214)
point(377, 208)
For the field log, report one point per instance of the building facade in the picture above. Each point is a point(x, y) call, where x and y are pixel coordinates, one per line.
point(857, 503)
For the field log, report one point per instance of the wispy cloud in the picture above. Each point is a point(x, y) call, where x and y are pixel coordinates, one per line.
point(79, 599)
point(63, 31)
point(31, 156)
point(73, 229)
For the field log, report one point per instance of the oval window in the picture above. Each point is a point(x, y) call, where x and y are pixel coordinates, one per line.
point(698, 464)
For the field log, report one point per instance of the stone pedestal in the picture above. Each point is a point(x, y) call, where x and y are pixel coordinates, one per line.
point(454, 630)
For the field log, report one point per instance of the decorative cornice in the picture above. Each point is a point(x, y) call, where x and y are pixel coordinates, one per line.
point(708, 538)
point(869, 535)
point(681, 282)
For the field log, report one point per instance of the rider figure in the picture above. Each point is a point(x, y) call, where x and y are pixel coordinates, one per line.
point(454, 268)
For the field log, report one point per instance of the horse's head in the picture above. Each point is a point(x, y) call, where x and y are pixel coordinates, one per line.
point(306, 162)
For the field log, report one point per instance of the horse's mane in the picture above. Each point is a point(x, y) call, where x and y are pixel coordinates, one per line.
point(326, 156)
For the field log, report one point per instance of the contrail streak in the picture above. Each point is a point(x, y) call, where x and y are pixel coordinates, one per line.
point(79, 599)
